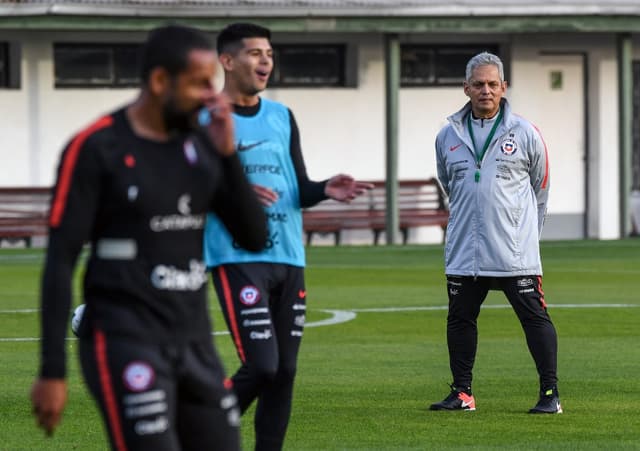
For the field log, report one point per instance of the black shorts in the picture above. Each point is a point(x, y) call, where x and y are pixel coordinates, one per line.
point(264, 305)
point(160, 398)
point(524, 293)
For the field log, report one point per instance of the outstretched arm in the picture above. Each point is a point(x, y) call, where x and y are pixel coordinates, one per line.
point(340, 187)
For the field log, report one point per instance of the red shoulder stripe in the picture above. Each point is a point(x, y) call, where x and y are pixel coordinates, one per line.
point(545, 179)
point(67, 166)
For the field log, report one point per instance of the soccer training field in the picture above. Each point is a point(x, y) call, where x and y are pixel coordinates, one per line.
point(374, 356)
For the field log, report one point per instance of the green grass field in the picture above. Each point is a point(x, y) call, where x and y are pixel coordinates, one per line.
point(365, 384)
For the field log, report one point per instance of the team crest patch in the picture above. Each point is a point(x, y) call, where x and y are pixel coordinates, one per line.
point(190, 152)
point(138, 376)
point(509, 146)
point(249, 295)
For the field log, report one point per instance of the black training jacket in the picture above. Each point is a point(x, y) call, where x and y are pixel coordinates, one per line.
point(141, 205)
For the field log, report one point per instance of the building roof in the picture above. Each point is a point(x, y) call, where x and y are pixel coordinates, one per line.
point(510, 16)
point(322, 8)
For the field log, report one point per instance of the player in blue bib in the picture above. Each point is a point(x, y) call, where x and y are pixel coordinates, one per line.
point(263, 294)
point(263, 136)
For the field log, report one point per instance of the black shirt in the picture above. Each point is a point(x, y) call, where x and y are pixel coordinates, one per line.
point(141, 204)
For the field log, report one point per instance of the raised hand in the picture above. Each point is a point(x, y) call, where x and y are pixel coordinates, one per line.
point(219, 124)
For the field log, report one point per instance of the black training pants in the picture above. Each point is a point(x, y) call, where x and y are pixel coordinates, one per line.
point(466, 295)
point(160, 398)
point(264, 306)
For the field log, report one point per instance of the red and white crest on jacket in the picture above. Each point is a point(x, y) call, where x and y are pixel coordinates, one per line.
point(509, 146)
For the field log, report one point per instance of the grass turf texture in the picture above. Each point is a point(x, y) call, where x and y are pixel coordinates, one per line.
point(366, 384)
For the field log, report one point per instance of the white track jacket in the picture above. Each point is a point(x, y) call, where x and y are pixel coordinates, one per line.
point(495, 222)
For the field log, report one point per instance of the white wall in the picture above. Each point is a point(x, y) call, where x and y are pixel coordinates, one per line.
point(38, 120)
point(342, 130)
point(14, 156)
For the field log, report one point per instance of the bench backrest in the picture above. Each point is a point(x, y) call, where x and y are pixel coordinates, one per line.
point(412, 195)
point(24, 211)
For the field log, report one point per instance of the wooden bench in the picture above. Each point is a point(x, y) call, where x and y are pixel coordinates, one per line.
point(420, 203)
point(24, 213)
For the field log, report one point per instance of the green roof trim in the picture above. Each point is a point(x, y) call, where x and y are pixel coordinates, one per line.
point(556, 24)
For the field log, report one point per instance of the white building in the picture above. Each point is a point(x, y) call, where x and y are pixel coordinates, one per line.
point(569, 64)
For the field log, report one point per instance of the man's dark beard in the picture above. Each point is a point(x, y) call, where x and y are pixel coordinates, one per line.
point(175, 120)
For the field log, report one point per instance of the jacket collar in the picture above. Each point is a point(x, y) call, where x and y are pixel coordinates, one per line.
point(457, 120)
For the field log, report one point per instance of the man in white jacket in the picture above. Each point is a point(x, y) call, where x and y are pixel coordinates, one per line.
point(493, 164)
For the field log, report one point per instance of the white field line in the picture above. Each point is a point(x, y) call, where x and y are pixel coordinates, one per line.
point(340, 313)
point(21, 257)
point(337, 317)
point(410, 267)
point(498, 306)
point(19, 310)
point(343, 316)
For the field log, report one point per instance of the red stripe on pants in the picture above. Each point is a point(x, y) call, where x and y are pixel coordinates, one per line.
point(107, 391)
point(542, 301)
point(228, 300)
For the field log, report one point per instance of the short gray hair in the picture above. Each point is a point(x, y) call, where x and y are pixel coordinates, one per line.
point(484, 59)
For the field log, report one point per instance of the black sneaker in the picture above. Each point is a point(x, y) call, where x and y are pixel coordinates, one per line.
point(549, 402)
point(457, 400)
